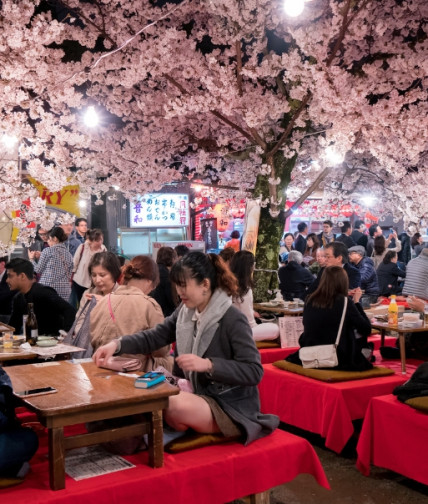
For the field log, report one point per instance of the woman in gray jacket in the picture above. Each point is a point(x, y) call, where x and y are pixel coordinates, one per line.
point(214, 350)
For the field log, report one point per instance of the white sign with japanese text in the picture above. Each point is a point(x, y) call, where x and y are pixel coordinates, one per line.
point(160, 210)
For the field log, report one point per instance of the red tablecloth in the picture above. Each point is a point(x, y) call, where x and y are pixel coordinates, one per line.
point(269, 355)
point(394, 436)
point(327, 409)
point(210, 475)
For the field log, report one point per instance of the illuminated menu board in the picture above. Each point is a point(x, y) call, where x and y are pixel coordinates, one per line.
point(160, 210)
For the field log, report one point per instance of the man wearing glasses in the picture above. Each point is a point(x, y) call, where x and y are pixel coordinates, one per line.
point(336, 254)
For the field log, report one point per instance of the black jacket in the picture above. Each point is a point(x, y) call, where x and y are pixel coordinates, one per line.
point(359, 238)
point(52, 312)
point(6, 296)
point(163, 292)
point(321, 326)
point(347, 240)
point(300, 244)
point(405, 253)
point(294, 281)
point(387, 277)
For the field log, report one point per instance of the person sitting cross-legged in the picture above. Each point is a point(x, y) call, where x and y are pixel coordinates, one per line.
point(294, 279)
point(321, 320)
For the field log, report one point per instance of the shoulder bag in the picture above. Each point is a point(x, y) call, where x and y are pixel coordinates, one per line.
point(123, 364)
point(323, 356)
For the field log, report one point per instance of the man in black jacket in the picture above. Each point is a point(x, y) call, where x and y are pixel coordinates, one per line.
point(345, 237)
point(359, 233)
point(52, 312)
point(6, 295)
point(300, 242)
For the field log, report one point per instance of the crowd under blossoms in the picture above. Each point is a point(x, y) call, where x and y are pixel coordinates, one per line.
point(229, 93)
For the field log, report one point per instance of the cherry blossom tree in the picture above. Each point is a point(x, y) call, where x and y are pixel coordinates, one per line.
point(232, 93)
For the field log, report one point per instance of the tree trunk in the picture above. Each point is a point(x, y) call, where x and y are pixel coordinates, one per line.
point(270, 229)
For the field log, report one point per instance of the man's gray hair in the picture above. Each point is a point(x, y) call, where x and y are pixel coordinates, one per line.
point(295, 256)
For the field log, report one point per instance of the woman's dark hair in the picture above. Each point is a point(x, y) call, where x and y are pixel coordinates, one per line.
point(200, 266)
point(108, 261)
point(334, 282)
point(242, 265)
point(59, 234)
point(316, 241)
point(226, 254)
point(166, 256)
point(94, 234)
point(141, 267)
point(379, 245)
point(389, 256)
point(235, 234)
point(414, 240)
point(287, 234)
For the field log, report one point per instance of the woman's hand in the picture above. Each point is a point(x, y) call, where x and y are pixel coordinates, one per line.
point(104, 352)
point(191, 362)
point(31, 255)
point(356, 296)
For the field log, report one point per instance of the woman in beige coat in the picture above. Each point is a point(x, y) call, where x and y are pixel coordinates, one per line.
point(129, 309)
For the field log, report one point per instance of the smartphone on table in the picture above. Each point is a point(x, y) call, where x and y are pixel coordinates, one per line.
point(36, 391)
point(149, 379)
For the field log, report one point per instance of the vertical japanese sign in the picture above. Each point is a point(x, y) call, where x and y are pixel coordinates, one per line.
point(209, 233)
point(160, 210)
point(251, 226)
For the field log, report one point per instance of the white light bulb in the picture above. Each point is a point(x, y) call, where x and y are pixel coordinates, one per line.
point(294, 8)
point(368, 200)
point(9, 140)
point(332, 156)
point(91, 117)
point(82, 204)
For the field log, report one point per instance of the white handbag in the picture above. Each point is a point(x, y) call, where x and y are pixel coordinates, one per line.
point(323, 356)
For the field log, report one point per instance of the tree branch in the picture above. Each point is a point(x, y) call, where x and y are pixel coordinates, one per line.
point(290, 125)
point(308, 191)
point(238, 66)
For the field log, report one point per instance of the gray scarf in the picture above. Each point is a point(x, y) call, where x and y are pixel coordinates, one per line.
point(195, 337)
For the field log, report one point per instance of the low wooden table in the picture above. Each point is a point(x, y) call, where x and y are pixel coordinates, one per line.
point(278, 310)
point(401, 330)
point(87, 393)
point(17, 353)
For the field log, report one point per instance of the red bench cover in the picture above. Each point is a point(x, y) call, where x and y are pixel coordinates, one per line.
point(212, 475)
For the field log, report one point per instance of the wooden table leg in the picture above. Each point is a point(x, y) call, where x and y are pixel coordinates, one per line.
point(382, 337)
point(156, 439)
point(56, 458)
point(402, 352)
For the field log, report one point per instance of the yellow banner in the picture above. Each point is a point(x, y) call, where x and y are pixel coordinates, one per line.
point(67, 199)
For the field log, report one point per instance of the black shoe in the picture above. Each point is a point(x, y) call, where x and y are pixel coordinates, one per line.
point(388, 352)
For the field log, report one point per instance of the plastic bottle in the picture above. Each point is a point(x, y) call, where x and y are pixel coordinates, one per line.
point(393, 312)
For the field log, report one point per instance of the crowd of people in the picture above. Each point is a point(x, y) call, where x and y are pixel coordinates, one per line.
point(192, 313)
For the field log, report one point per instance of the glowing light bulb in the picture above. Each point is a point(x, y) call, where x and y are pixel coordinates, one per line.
point(91, 117)
point(9, 141)
point(332, 156)
point(294, 8)
point(82, 204)
point(368, 200)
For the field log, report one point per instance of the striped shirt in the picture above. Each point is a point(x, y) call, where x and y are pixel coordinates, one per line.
point(416, 283)
point(54, 267)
